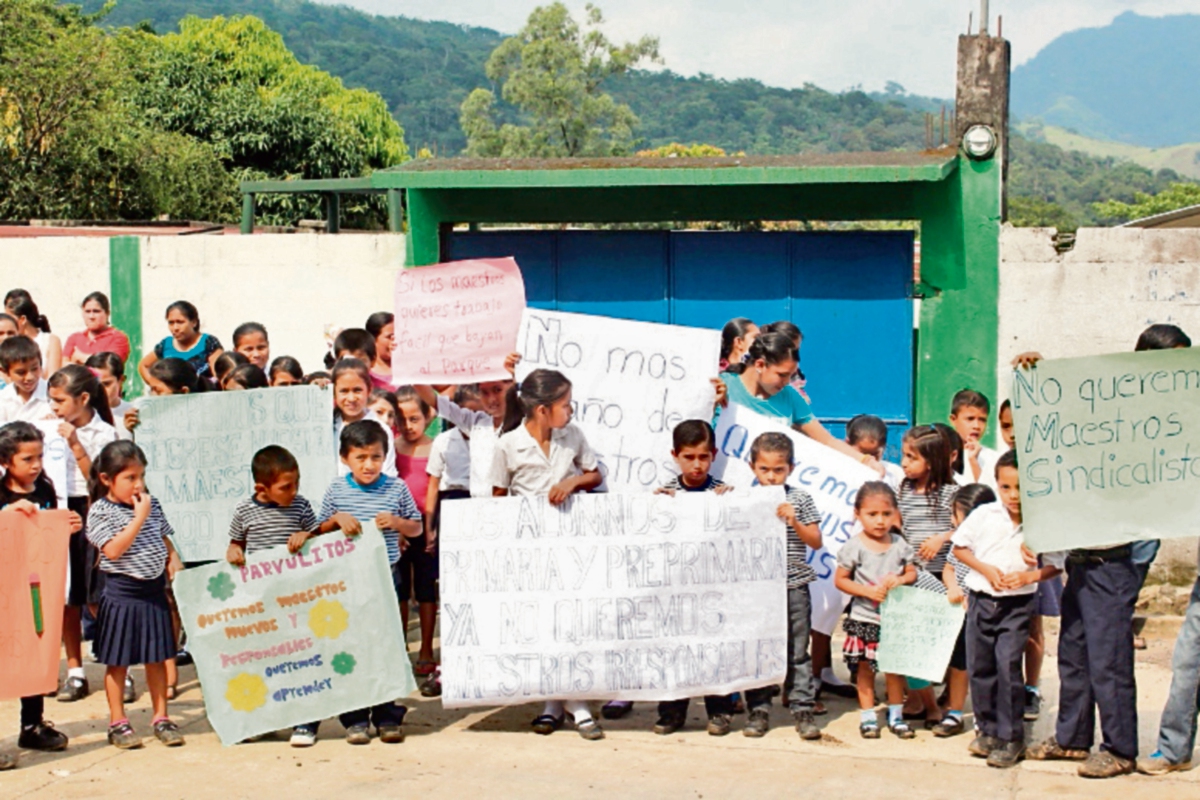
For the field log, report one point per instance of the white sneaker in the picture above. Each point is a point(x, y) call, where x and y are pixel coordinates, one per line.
point(303, 737)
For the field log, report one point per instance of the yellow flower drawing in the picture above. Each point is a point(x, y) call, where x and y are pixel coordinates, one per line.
point(327, 619)
point(246, 692)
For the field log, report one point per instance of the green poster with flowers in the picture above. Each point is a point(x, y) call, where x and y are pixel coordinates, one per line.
point(289, 638)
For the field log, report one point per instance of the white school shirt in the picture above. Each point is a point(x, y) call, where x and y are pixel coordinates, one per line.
point(93, 437)
point(482, 433)
point(987, 468)
point(893, 475)
point(523, 468)
point(14, 409)
point(389, 456)
point(450, 460)
point(119, 413)
point(993, 539)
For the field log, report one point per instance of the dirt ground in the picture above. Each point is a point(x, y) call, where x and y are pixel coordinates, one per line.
point(492, 753)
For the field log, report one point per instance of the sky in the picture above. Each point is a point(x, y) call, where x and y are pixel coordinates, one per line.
point(835, 44)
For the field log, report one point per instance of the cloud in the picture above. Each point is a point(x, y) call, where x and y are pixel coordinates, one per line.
point(835, 44)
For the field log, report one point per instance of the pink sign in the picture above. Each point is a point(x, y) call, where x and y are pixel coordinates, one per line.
point(456, 322)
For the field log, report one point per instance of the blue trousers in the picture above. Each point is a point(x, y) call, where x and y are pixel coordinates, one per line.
point(1177, 731)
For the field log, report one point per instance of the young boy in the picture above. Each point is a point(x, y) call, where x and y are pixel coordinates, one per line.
point(276, 514)
point(24, 398)
point(355, 343)
point(772, 459)
point(969, 413)
point(1003, 591)
point(1008, 432)
point(868, 434)
point(367, 493)
point(694, 448)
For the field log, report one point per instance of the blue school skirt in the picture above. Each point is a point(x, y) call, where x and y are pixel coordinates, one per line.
point(134, 623)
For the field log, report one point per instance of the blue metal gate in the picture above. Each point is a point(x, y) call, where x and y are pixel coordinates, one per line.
point(848, 292)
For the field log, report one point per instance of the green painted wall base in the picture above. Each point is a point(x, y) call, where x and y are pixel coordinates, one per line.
point(125, 282)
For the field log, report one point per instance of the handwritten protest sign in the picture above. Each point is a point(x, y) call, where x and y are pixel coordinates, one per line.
point(455, 322)
point(288, 639)
point(1108, 448)
point(632, 383)
point(33, 590)
point(830, 477)
point(632, 596)
point(917, 633)
point(56, 458)
point(199, 448)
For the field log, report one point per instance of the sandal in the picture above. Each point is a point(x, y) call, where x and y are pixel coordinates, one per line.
point(547, 724)
point(425, 667)
point(902, 730)
point(869, 730)
point(949, 726)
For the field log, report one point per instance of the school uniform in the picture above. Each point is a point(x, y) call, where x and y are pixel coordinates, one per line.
point(998, 622)
point(14, 409)
point(987, 468)
point(389, 452)
point(259, 526)
point(118, 412)
point(482, 435)
point(134, 623)
point(523, 468)
point(86, 582)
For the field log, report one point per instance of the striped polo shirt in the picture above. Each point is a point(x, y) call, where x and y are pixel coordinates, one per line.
point(262, 525)
point(146, 558)
point(922, 516)
point(387, 494)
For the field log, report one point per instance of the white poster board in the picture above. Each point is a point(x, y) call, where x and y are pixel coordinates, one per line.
point(56, 457)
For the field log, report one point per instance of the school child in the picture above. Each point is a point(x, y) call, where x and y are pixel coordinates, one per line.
point(386, 408)
point(137, 558)
point(693, 449)
point(736, 337)
point(110, 370)
point(417, 571)
point(8, 329)
point(250, 339)
point(869, 566)
point(868, 434)
point(1008, 431)
point(358, 343)
point(540, 452)
point(186, 342)
point(24, 398)
point(285, 371)
point(275, 514)
point(367, 492)
point(969, 412)
point(26, 488)
point(80, 402)
point(224, 364)
point(319, 378)
point(1003, 601)
point(772, 459)
point(169, 376)
point(243, 377)
point(957, 450)
point(449, 464)
point(33, 324)
point(382, 326)
point(351, 397)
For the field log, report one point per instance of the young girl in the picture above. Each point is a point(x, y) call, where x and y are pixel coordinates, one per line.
point(285, 371)
point(224, 364)
point(418, 565)
point(8, 329)
point(351, 397)
point(541, 453)
point(109, 368)
point(386, 407)
point(736, 337)
point(138, 559)
point(382, 326)
point(27, 489)
point(957, 450)
point(165, 378)
point(186, 342)
point(32, 323)
point(250, 339)
point(80, 402)
point(245, 376)
point(868, 567)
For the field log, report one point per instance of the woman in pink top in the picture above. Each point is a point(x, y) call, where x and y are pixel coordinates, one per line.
point(382, 326)
point(97, 335)
point(418, 565)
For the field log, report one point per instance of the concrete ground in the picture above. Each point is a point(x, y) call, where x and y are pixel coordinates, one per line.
point(492, 753)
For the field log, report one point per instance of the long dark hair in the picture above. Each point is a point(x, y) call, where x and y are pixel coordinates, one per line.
point(954, 443)
point(931, 445)
point(248, 376)
point(113, 459)
point(285, 364)
point(187, 309)
point(971, 497)
point(19, 303)
point(735, 329)
point(542, 387)
point(773, 348)
point(75, 379)
point(178, 375)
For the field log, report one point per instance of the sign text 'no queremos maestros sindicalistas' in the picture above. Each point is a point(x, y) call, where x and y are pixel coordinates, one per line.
point(199, 448)
point(632, 596)
point(632, 383)
point(917, 633)
point(293, 638)
point(456, 322)
point(1108, 448)
point(831, 478)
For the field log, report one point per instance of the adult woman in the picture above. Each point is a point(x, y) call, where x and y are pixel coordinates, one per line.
point(32, 323)
point(97, 335)
point(736, 337)
point(382, 326)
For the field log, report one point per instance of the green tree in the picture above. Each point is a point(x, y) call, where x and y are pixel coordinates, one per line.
point(677, 150)
point(1174, 197)
point(553, 71)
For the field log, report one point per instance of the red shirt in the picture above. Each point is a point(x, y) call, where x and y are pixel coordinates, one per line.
point(109, 340)
point(412, 471)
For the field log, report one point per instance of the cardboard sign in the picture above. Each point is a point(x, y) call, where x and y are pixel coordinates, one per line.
point(917, 633)
point(199, 448)
point(630, 596)
point(1107, 448)
point(831, 478)
point(289, 639)
point(632, 383)
point(33, 591)
point(456, 322)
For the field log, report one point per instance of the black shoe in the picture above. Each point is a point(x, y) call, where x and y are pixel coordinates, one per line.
point(669, 723)
point(1006, 755)
point(183, 658)
point(1033, 705)
point(122, 737)
point(758, 724)
point(806, 726)
point(982, 746)
point(843, 690)
point(42, 737)
point(547, 724)
point(73, 689)
point(949, 726)
point(719, 725)
point(168, 733)
point(616, 709)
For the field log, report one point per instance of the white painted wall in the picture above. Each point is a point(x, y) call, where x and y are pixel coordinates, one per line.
point(297, 285)
point(58, 271)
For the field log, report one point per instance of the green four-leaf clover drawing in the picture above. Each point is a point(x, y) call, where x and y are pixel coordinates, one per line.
point(344, 663)
point(221, 586)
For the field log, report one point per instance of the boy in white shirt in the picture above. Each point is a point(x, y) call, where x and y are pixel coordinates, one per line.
point(24, 399)
point(1003, 588)
point(969, 412)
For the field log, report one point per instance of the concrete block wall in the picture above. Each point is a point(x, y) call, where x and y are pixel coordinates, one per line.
point(58, 271)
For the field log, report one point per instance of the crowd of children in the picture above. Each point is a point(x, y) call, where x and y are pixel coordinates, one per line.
point(946, 519)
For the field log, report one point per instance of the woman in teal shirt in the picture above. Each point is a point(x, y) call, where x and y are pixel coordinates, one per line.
point(186, 342)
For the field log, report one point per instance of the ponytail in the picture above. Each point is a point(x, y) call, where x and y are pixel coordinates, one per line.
point(115, 458)
point(542, 387)
point(19, 303)
point(513, 414)
point(75, 379)
point(773, 348)
point(178, 375)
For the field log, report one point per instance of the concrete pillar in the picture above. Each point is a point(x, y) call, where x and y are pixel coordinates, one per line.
point(984, 65)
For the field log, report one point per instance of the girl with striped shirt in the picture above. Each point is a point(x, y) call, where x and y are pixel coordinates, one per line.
point(137, 558)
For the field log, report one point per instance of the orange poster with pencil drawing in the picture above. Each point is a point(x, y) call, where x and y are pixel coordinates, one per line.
point(33, 585)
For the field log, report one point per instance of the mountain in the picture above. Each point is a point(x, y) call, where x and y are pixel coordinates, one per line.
point(1132, 81)
point(1182, 158)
